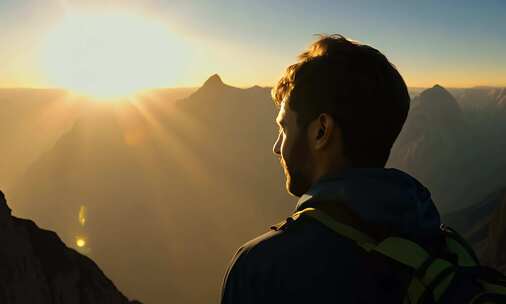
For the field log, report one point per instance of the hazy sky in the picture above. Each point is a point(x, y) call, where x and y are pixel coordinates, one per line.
point(454, 43)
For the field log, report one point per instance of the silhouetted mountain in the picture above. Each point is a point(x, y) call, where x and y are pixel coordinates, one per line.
point(213, 82)
point(31, 121)
point(438, 100)
point(213, 87)
point(430, 136)
point(37, 267)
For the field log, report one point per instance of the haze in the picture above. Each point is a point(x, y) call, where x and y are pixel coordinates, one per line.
point(141, 131)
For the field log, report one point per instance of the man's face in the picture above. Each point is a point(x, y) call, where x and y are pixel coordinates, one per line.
point(293, 150)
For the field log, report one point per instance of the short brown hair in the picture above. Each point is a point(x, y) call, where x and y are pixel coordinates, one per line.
point(358, 86)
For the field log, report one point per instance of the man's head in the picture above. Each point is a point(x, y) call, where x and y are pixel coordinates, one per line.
point(342, 105)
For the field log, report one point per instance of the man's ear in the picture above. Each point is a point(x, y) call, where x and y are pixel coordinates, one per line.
point(321, 131)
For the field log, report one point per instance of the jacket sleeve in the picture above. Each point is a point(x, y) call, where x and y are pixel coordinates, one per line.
point(235, 283)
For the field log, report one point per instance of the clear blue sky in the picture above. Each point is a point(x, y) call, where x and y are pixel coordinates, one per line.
point(454, 43)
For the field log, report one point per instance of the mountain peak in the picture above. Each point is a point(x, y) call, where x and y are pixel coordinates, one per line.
point(438, 102)
point(213, 85)
point(214, 81)
point(438, 92)
point(438, 89)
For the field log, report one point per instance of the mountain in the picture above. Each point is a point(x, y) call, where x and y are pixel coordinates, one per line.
point(31, 120)
point(171, 189)
point(438, 101)
point(483, 225)
point(483, 98)
point(455, 151)
point(431, 136)
point(213, 86)
point(37, 267)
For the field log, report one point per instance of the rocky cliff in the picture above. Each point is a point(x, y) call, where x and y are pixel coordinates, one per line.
point(37, 267)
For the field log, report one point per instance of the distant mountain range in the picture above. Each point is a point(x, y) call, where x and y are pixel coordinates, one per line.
point(176, 180)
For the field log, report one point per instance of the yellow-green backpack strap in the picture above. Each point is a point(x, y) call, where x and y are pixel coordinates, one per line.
point(436, 276)
point(433, 274)
point(459, 246)
point(362, 239)
point(404, 251)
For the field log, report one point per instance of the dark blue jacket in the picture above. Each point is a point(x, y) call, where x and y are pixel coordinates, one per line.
point(305, 262)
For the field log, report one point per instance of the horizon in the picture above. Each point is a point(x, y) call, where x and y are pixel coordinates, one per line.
point(237, 86)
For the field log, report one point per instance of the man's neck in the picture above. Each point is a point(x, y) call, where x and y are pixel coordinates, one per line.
point(331, 171)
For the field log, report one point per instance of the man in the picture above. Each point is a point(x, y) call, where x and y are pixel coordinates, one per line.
point(341, 107)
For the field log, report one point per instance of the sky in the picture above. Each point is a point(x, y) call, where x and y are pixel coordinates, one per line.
point(452, 43)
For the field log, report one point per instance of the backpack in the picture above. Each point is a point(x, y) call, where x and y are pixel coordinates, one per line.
point(433, 279)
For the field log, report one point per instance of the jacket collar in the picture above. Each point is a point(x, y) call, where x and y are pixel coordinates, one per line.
point(379, 196)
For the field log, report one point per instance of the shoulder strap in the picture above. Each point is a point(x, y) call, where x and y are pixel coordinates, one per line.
point(432, 275)
point(362, 239)
point(456, 244)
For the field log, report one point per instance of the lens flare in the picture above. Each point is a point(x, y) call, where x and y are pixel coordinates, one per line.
point(82, 216)
point(80, 242)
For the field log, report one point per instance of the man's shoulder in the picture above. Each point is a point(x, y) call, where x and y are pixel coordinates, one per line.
point(296, 242)
point(302, 258)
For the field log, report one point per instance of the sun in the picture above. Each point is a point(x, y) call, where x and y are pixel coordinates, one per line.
point(109, 55)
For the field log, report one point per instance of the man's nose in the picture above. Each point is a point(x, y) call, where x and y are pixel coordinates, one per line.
point(276, 149)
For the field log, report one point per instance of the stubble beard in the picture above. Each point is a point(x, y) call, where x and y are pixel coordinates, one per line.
point(288, 178)
point(296, 181)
